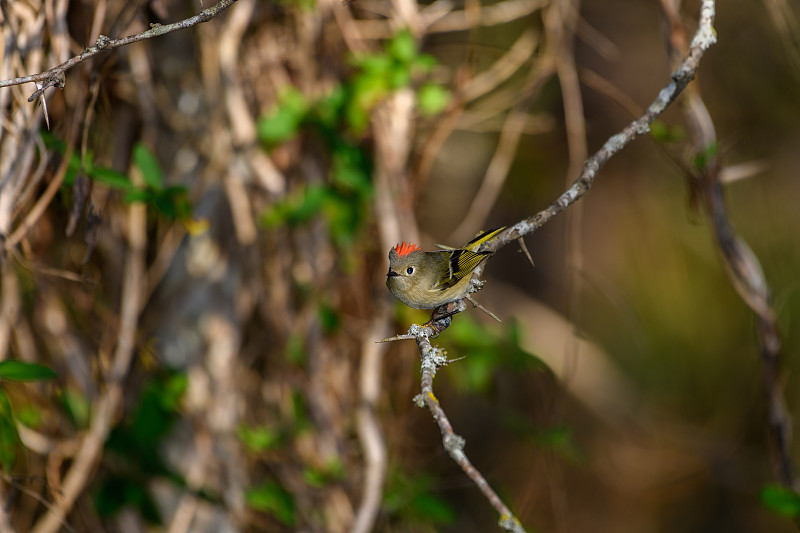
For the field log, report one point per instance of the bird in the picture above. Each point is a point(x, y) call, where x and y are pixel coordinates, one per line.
point(429, 280)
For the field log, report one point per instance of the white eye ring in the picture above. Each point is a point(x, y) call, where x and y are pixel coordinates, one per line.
point(410, 270)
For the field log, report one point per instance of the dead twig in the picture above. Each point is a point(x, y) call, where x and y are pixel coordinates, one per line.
point(432, 359)
point(54, 77)
point(741, 264)
point(704, 38)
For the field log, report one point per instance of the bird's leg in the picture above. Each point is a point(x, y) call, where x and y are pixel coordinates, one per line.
point(442, 316)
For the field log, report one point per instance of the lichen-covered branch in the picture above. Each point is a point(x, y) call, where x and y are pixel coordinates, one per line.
point(704, 38)
point(432, 359)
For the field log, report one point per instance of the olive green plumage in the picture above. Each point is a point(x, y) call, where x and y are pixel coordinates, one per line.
point(427, 280)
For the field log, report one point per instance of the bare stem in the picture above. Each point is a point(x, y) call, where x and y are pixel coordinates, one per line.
point(55, 75)
point(703, 39)
point(432, 359)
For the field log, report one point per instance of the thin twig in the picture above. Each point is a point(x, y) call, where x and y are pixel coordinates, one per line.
point(703, 39)
point(105, 409)
point(369, 430)
point(55, 75)
point(432, 359)
point(741, 264)
point(491, 15)
point(496, 174)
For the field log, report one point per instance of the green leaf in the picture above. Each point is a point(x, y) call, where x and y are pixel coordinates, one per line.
point(173, 390)
point(283, 122)
point(703, 159)
point(138, 195)
point(399, 76)
point(295, 351)
point(373, 65)
point(560, 440)
point(148, 165)
point(410, 498)
point(300, 410)
point(273, 499)
point(118, 492)
point(158, 405)
point(9, 438)
point(665, 134)
point(434, 509)
point(172, 202)
point(432, 99)
point(351, 170)
point(329, 110)
point(278, 127)
point(111, 177)
point(367, 91)
point(328, 318)
point(13, 370)
point(403, 47)
point(30, 415)
point(424, 62)
point(489, 350)
point(258, 439)
point(344, 217)
point(319, 477)
point(781, 500)
point(78, 407)
point(299, 208)
point(52, 142)
point(314, 478)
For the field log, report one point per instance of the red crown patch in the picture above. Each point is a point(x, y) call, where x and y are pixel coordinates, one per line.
point(405, 248)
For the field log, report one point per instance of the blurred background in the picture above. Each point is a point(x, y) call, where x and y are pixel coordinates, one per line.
point(197, 247)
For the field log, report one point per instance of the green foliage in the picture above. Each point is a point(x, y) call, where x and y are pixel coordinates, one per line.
point(432, 99)
point(108, 176)
point(119, 492)
point(295, 351)
point(329, 318)
point(30, 415)
point(380, 73)
point(409, 499)
point(77, 407)
point(781, 500)
point(273, 499)
point(320, 477)
point(283, 122)
point(9, 438)
point(13, 370)
point(339, 120)
point(170, 202)
point(703, 159)
point(666, 134)
point(558, 439)
point(301, 420)
point(486, 351)
point(148, 165)
point(136, 443)
point(259, 438)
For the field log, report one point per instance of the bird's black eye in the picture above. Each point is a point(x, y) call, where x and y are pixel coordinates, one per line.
point(410, 270)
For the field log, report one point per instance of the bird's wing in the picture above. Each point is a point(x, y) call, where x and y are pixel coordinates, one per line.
point(462, 263)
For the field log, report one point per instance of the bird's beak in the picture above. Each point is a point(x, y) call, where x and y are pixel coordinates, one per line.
point(391, 273)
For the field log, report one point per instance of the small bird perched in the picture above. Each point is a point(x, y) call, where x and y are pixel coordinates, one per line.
point(428, 280)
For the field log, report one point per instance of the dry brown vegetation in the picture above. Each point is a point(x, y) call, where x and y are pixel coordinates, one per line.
point(194, 239)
